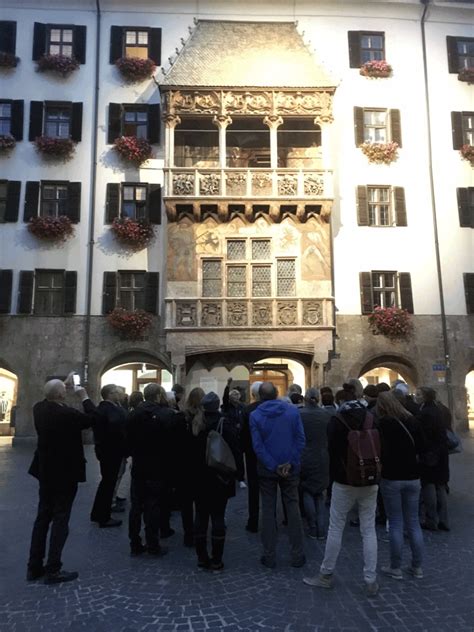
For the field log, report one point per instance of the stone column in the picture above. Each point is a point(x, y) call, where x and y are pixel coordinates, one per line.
point(178, 364)
point(273, 122)
point(171, 120)
point(221, 122)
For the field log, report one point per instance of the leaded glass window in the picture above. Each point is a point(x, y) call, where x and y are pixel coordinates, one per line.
point(261, 281)
point(286, 277)
point(211, 277)
point(236, 249)
point(237, 280)
point(261, 249)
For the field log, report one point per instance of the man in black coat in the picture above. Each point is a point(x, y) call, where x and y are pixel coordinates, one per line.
point(151, 432)
point(110, 449)
point(251, 461)
point(59, 465)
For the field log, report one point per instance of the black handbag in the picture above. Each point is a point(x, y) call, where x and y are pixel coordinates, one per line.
point(218, 453)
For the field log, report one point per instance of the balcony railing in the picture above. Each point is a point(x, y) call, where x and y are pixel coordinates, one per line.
point(256, 313)
point(252, 183)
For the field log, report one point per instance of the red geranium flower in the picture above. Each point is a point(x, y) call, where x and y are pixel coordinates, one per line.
point(131, 324)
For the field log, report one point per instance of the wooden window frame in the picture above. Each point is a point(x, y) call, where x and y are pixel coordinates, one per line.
point(6, 118)
point(363, 34)
point(136, 30)
point(37, 291)
point(133, 290)
point(47, 112)
point(141, 203)
point(135, 109)
point(43, 200)
point(60, 43)
point(467, 130)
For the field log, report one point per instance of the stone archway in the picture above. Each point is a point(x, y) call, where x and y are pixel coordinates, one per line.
point(393, 362)
point(8, 400)
point(135, 368)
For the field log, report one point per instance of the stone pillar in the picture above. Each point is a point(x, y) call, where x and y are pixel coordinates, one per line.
point(273, 122)
point(171, 120)
point(178, 364)
point(222, 121)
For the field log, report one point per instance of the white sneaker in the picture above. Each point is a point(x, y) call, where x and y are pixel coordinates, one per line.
point(242, 485)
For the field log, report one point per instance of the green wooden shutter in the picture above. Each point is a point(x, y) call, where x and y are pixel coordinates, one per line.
point(453, 59)
point(70, 291)
point(362, 206)
point(354, 49)
point(359, 126)
point(6, 279)
point(366, 296)
point(400, 206)
point(406, 295)
point(456, 124)
point(13, 201)
point(25, 292)
point(109, 295)
point(396, 126)
point(112, 205)
point(152, 280)
point(469, 291)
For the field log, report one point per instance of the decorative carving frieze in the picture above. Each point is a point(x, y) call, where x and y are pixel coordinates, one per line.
point(287, 313)
point(287, 185)
point(211, 314)
point(237, 314)
point(262, 313)
point(209, 184)
point(183, 184)
point(261, 180)
point(312, 313)
point(313, 185)
point(186, 314)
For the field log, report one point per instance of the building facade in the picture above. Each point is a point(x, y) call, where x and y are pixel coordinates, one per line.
point(288, 192)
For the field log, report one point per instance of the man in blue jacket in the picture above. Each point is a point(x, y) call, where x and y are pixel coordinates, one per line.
point(278, 440)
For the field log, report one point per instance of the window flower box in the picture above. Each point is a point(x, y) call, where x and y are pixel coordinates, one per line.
point(380, 153)
point(55, 148)
point(7, 143)
point(57, 64)
point(376, 69)
point(392, 322)
point(130, 324)
point(132, 149)
point(8, 60)
point(135, 69)
point(467, 152)
point(54, 229)
point(132, 233)
point(466, 74)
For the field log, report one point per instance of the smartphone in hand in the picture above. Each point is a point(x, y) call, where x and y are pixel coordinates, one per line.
point(76, 379)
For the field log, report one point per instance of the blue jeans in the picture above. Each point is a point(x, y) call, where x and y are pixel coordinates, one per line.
point(401, 499)
point(314, 510)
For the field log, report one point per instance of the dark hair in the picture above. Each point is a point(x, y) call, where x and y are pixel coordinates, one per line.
point(296, 398)
point(327, 398)
point(382, 387)
point(325, 389)
point(428, 394)
point(194, 398)
point(371, 391)
point(339, 396)
point(155, 393)
point(135, 398)
point(177, 389)
point(348, 392)
point(267, 391)
point(106, 390)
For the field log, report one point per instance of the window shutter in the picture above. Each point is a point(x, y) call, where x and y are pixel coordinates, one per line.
point(154, 46)
point(8, 37)
point(76, 122)
point(354, 49)
point(154, 123)
point(13, 201)
point(6, 278)
point(115, 122)
point(469, 291)
point(400, 206)
point(39, 41)
point(31, 200)
point(366, 298)
point(154, 203)
point(456, 123)
point(116, 38)
point(396, 125)
point(406, 295)
point(25, 292)
point(362, 206)
point(112, 205)
point(17, 119)
point(359, 126)
point(109, 296)
point(463, 207)
point(36, 119)
point(453, 59)
point(74, 202)
point(152, 280)
point(70, 291)
point(79, 43)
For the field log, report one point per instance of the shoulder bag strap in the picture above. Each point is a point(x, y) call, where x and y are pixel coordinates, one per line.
point(406, 430)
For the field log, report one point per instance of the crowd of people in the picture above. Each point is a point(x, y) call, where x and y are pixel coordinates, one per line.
point(373, 455)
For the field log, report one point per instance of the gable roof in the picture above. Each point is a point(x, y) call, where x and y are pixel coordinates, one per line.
point(229, 54)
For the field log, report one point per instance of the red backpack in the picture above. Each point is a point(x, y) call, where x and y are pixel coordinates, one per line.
point(363, 453)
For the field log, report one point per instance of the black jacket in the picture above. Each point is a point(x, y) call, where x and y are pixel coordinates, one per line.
point(59, 457)
point(109, 429)
point(152, 431)
point(314, 477)
point(399, 452)
point(436, 445)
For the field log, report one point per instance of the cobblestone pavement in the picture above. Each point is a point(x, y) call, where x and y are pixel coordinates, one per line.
point(122, 594)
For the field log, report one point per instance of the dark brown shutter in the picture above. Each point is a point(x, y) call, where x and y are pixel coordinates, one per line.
point(76, 122)
point(36, 119)
point(354, 49)
point(25, 292)
point(109, 295)
point(115, 122)
point(6, 278)
point(13, 201)
point(154, 46)
point(406, 295)
point(366, 298)
point(154, 203)
point(79, 43)
point(469, 291)
point(8, 37)
point(152, 280)
point(154, 123)
point(39, 41)
point(116, 39)
point(456, 124)
point(17, 119)
point(453, 59)
point(359, 126)
point(396, 125)
point(463, 208)
point(70, 291)
point(112, 204)
point(31, 200)
point(362, 206)
point(400, 206)
point(74, 202)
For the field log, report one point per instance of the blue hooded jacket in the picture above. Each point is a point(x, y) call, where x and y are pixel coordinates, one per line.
point(277, 434)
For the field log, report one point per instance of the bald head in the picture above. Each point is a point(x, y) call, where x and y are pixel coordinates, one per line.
point(55, 390)
point(267, 391)
point(254, 390)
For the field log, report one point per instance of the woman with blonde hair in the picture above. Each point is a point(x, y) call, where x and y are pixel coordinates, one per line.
point(402, 441)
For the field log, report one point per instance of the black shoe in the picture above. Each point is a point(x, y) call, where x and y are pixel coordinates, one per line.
point(137, 549)
point(60, 576)
point(267, 562)
point(251, 528)
point(32, 575)
point(166, 533)
point(117, 508)
point(204, 563)
point(299, 563)
point(443, 527)
point(111, 522)
point(188, 540)
point(216, 565)
point(158, 551)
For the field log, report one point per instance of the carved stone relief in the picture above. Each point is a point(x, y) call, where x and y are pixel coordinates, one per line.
point(183, 184)
point(186, 314)
point(312, 313)
point(261, 313)
point(287, 314)
point(313, 185)
point(287, 185)
point(237, 314)
point(211, 314)
point(209, 184)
